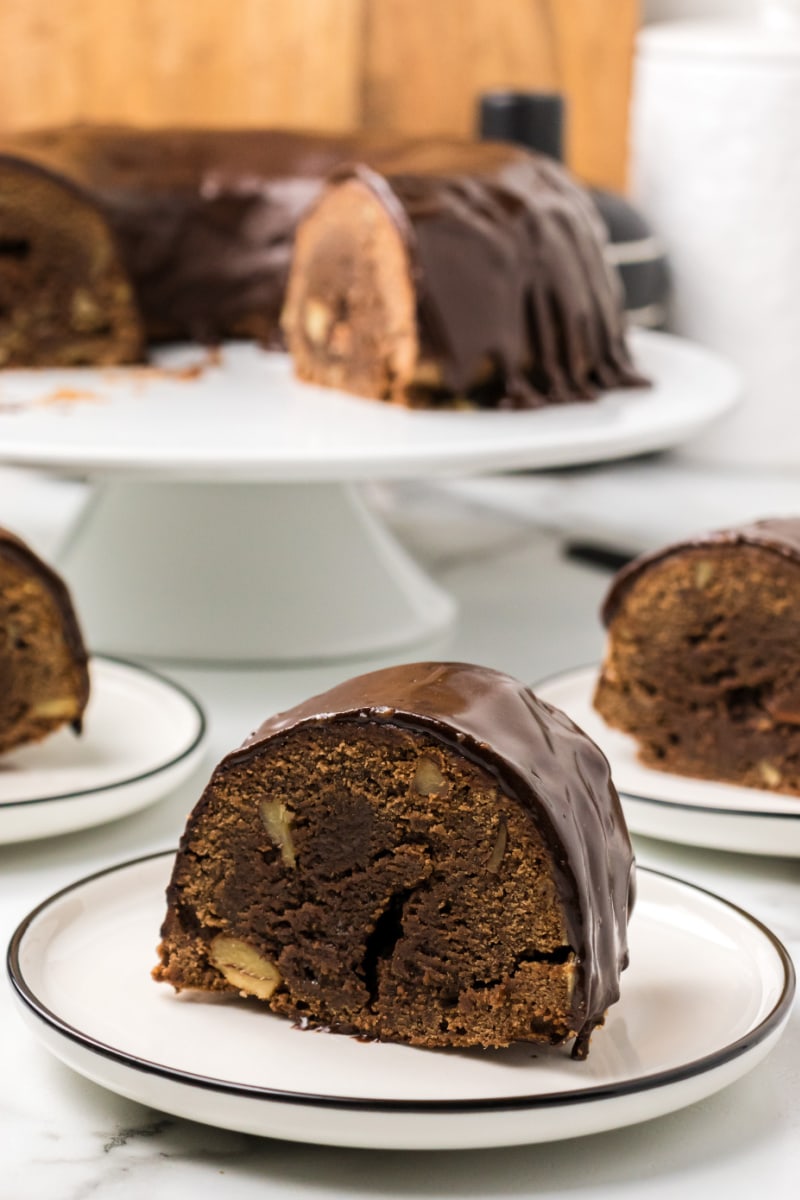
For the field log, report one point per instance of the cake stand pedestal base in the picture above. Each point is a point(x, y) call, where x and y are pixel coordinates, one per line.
point(275, 572)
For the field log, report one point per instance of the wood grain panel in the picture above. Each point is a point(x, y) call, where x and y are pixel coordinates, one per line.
point(426, 61)
point(412, 65)
point(207, 62)
point(593, 42)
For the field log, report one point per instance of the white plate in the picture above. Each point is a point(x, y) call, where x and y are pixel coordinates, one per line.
point(706, 997)
point(142, 736)
point(248, 419)
point(677, 808)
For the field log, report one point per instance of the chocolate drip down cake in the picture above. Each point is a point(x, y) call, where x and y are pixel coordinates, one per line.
point(425, 854)
point(44, 680)
point(424, 271)
point(702, 663)
point(474, 271)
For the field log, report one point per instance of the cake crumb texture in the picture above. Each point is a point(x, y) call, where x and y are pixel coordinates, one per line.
point(65, 298)
point(702, 664)
point(44, 681)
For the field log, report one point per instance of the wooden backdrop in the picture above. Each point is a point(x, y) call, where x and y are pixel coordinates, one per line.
point(411, 65)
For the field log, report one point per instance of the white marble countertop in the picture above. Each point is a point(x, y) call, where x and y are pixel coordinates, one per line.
point(524, 609)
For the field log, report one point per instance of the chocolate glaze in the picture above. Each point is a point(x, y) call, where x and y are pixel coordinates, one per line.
point(780, 535)
point(540, 759)
point(205, 221)
point(13, 548)
point(510, 271)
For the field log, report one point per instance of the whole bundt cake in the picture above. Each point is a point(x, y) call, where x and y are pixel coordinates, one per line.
point(427, 271)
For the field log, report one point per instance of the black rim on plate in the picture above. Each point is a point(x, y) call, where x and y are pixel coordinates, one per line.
point(714, 810)
point(251, 1091)
point(130, 779)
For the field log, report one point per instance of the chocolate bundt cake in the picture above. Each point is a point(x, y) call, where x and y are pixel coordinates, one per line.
point(437, 269)
point(425, 854)
point(703, 658)
point(44, 681)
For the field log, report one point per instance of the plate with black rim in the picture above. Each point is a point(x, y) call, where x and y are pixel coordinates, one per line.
point(678, 808)
point(142, 736)
point(706, 997)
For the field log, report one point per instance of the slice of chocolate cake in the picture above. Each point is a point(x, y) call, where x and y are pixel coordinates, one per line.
point(425, 854)
point(703, 658)
point(44, 680)
point(65, 297)
point(473, 273)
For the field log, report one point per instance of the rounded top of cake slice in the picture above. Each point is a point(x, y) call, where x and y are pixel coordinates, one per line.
point(780, 535)
point(538, 757)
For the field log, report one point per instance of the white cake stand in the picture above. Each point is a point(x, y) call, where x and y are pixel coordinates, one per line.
point(227, 521)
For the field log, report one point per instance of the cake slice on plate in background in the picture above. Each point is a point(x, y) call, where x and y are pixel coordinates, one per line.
point(702, 664)
point(44, 678)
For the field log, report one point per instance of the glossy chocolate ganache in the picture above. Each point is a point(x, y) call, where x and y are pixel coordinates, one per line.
point(494, 286)
point(512, 300)
point(427, 853)
point(702, 664)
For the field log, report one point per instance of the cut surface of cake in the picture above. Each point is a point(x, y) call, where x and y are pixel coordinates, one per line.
point(425, 854)
point(65, 296)
point(702, 664)
point(44, 679)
